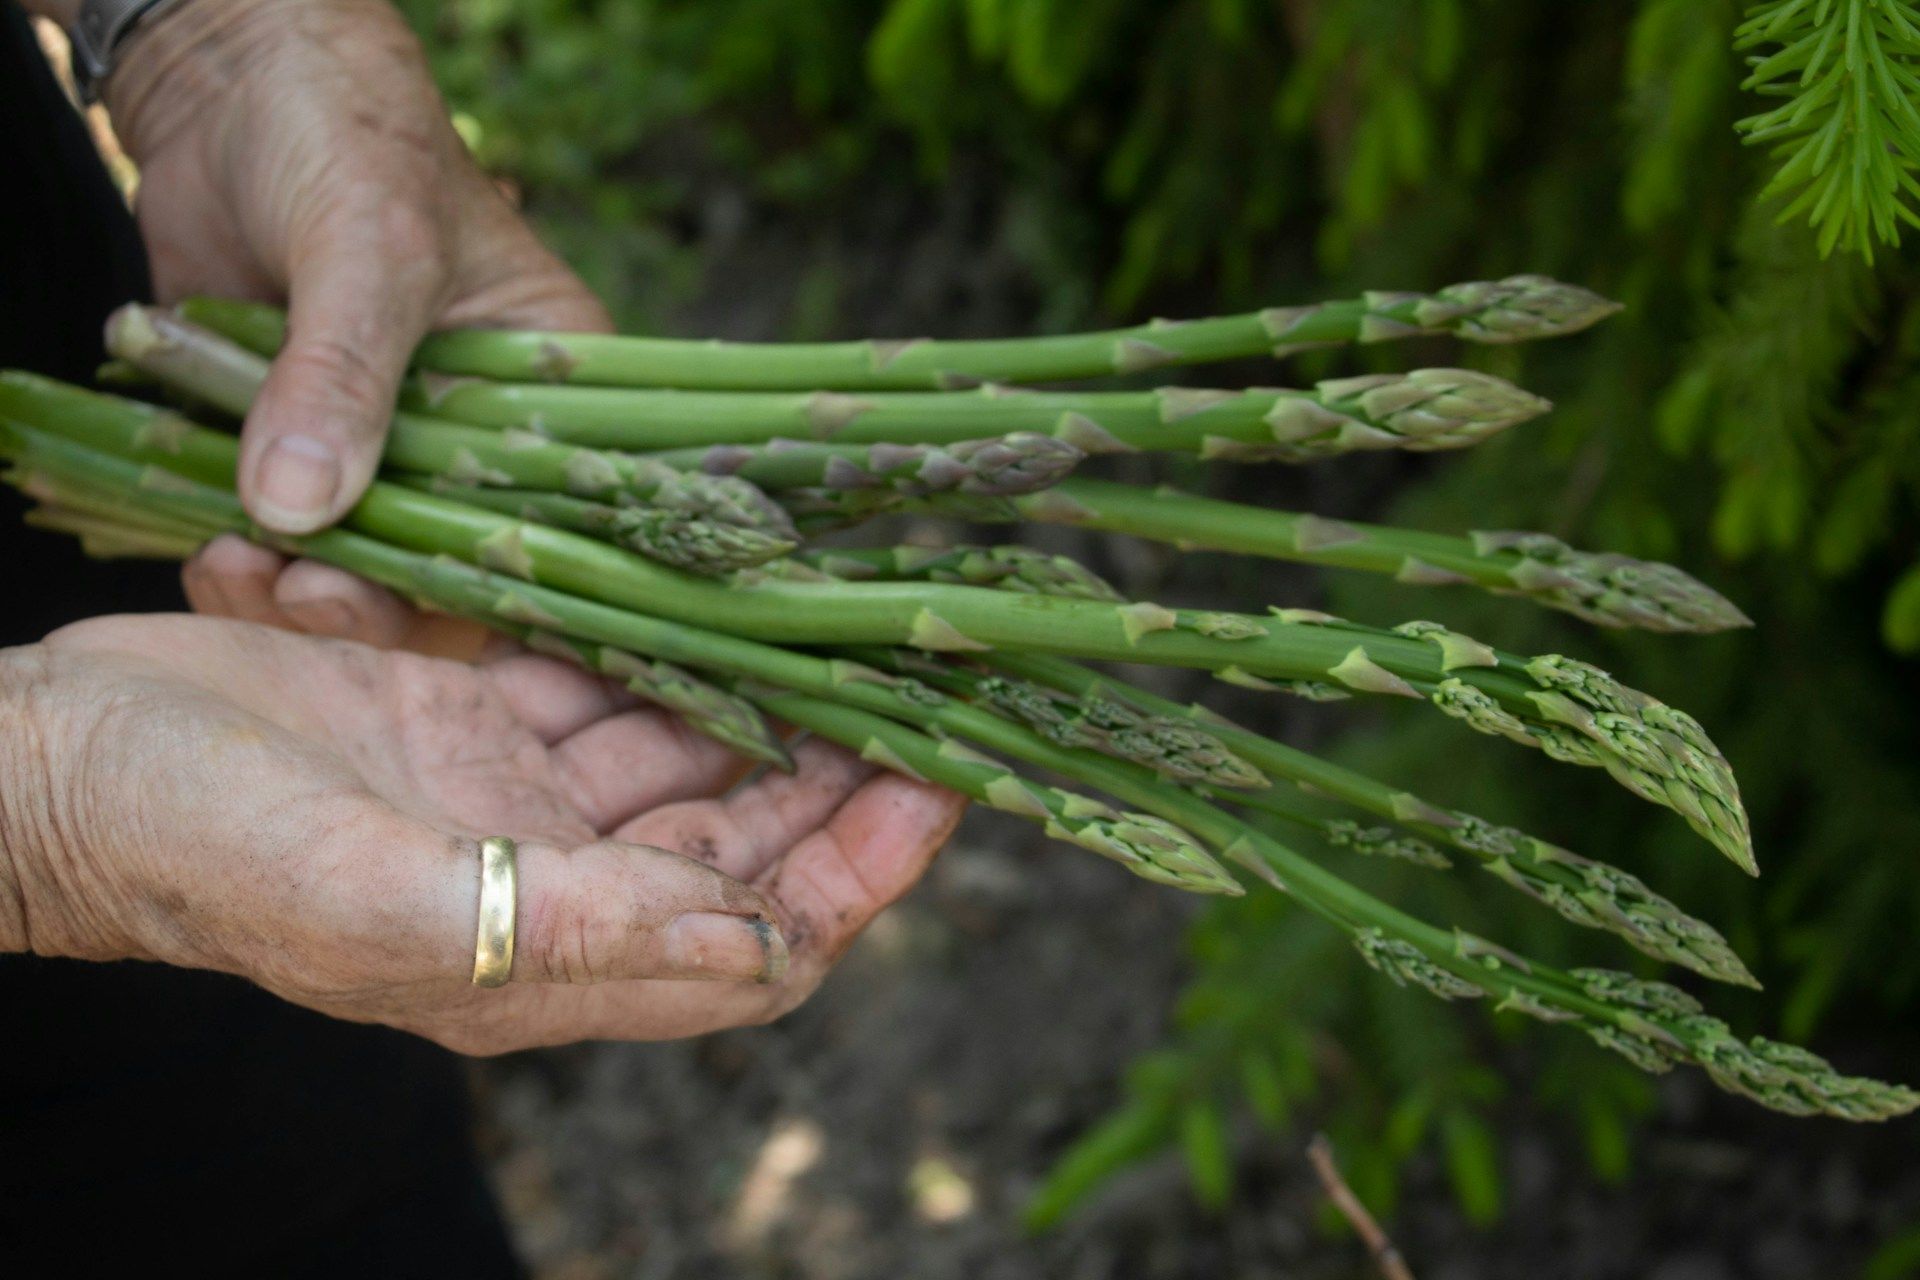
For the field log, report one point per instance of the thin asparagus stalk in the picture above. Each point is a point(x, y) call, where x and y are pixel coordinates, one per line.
point(79, 501)
point(1149, 847)
point(1573, 712)
point(107, 539)
point(1654, 1025)
point(1428, 409)
point(145, 509)
point(1009, 567)
point(1516, 309)
point(1586, 892)
point(721, 715)
point(671, 536)
point(1609, 590)
point(229, 376)
point(993, 466)
point(1172, 747)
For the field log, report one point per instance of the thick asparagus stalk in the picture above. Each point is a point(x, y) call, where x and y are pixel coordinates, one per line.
point(1428, 409)
point(229, 376)
point(1573, 712)
point(1610, 590)
point(1516, 309)
point(1653, 1024)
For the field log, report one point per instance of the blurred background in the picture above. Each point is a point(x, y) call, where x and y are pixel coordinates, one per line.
point(1040, 1067)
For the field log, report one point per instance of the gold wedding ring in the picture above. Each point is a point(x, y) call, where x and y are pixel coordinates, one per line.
point(499, 893)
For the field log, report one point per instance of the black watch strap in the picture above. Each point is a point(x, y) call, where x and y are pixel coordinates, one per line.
point(97, 34)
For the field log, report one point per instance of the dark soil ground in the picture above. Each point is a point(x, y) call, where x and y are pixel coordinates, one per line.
point(892, 1128)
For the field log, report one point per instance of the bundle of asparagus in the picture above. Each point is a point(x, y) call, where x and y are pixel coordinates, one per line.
point(637, 506)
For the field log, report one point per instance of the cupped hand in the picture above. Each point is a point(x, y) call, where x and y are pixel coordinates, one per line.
point(305, 813)
point(300, 152)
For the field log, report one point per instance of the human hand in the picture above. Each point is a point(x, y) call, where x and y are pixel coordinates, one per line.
point(301, 152)
point(304, 812)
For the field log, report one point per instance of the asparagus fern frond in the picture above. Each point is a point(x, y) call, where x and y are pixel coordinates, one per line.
point(1846, 129)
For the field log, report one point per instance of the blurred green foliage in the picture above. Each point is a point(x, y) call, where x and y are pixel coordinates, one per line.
point(1754, 416)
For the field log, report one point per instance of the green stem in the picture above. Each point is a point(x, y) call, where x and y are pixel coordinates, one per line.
point(677, 538)
point(1573, 712)
point(1652, 1024)
point(1516, 309)
point(1009, 567)
point(992, 466)
point(229, 376)
point(1586, 892)
point(1425, 410)
point(1609, 590)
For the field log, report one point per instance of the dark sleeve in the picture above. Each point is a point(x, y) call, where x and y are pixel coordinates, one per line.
point(162, 1113)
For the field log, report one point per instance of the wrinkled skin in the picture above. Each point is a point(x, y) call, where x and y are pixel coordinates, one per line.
point(300, 153)
point(303, 812)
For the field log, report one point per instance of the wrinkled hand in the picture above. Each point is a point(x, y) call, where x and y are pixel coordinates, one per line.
point(301, 152)
point(303, 812)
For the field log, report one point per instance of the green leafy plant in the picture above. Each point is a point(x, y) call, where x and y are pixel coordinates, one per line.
point(1847, 129)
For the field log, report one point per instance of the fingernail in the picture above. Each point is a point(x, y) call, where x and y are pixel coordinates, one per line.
point(295, 484)
point(708, 944)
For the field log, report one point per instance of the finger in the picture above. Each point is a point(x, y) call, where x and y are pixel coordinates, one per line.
point(363, 285)
point(639, 760)
point(616, 911)
point(327, 601)
point(834, 882)
point(205, 591)
point(553, 698)
point(596, 913)
point(744, 833)
point(232, 578)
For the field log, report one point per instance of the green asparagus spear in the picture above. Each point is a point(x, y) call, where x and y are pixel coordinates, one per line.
point(1586, 892)
point(993, 466)
point(1573, 712)
point(1009, 567)
point(1654, 1025)
point(1609, 590)
point(1426, 410)
point(1516, 309)
point(203, 363)
point(662, 533)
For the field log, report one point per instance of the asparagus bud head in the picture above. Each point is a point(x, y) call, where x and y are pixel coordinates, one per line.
point(1516, 309)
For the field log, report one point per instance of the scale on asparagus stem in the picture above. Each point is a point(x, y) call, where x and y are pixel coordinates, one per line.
point(639, 507)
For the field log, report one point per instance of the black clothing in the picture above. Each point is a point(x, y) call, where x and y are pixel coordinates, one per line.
point(153, 1118)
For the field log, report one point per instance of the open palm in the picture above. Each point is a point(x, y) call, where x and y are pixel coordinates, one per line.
point(305, 811)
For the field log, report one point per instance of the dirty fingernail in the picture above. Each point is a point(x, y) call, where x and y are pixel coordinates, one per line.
point(709, 944)
point(296, 482)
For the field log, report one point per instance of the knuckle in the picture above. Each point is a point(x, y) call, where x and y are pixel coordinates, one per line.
point(565, 940)
point(413, 236)
point(344, 374)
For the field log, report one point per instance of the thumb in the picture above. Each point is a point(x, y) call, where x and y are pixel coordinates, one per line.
point(610, 911)
point(362, 290)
